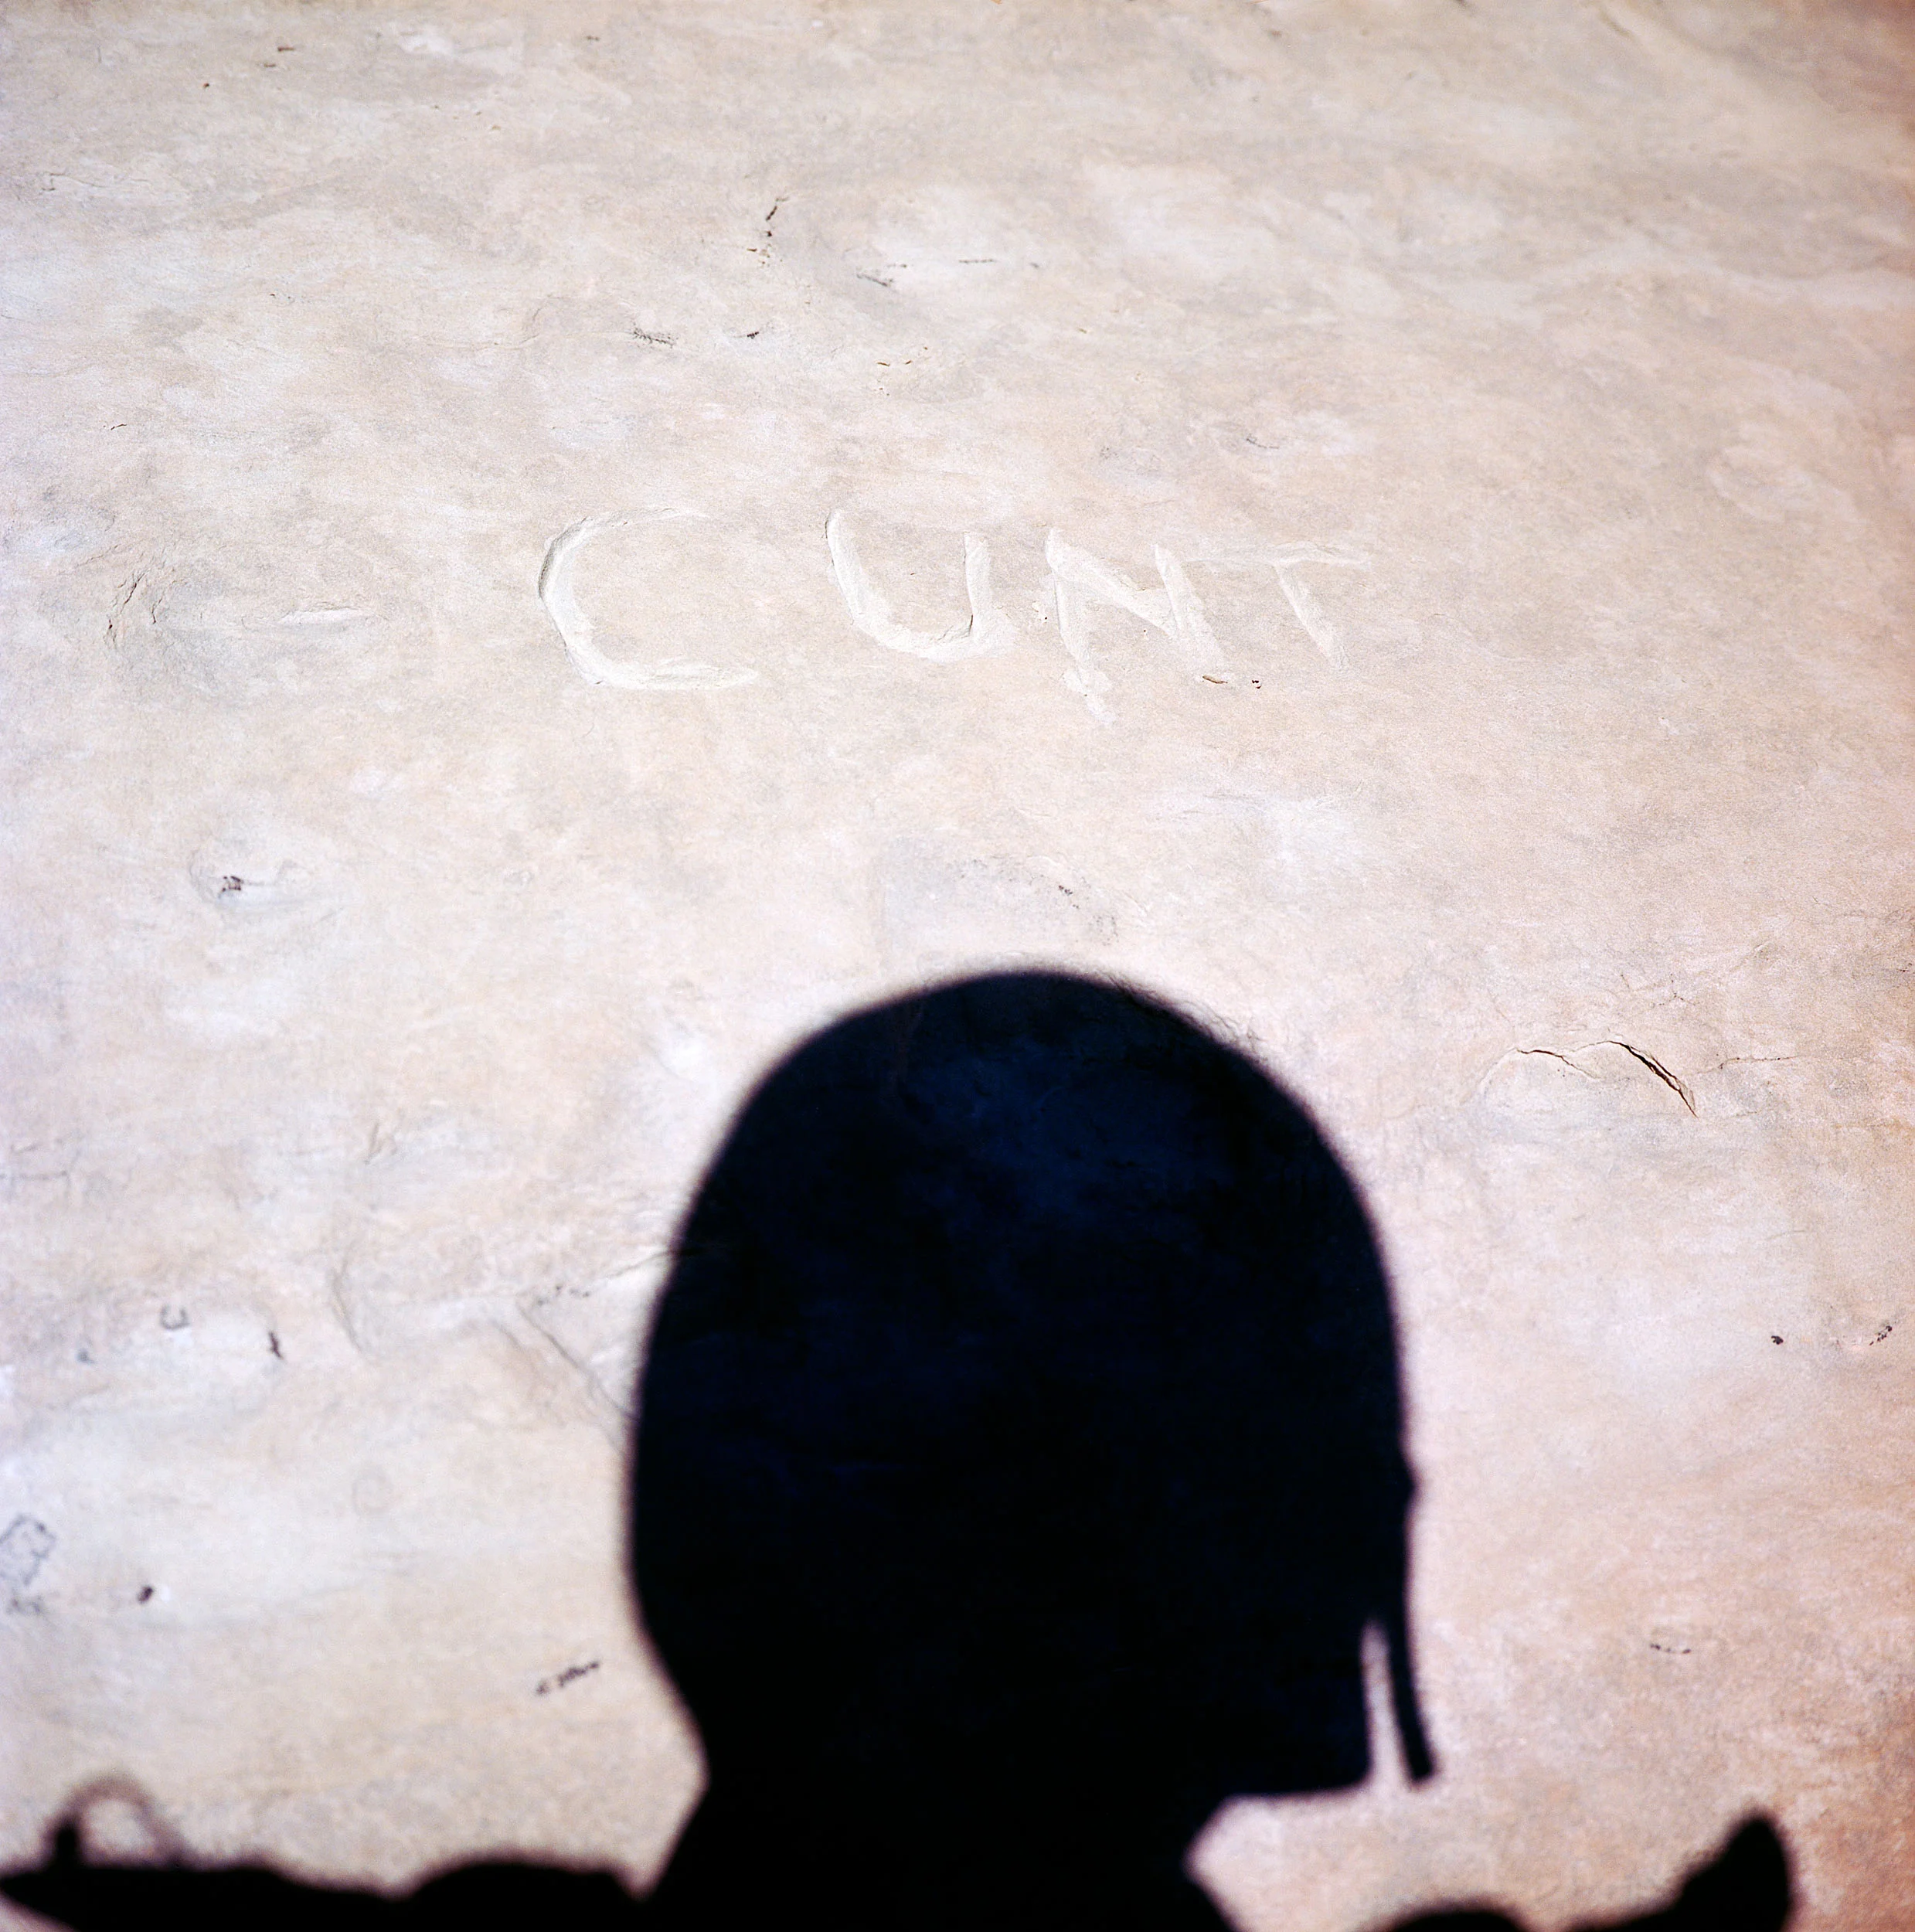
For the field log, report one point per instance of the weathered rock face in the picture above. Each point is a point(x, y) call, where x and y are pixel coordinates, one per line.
point(551, 553)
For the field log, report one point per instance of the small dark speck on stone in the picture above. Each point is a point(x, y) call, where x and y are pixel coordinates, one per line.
point(1777, 1340)
point(146, 1593)
point(570, 1675)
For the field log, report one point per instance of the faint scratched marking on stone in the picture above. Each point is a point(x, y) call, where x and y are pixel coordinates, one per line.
point(1310, 615)
point(116, 619)
point(575, 627)
point(1078, 582)
point(27, 1544)
point(1176, 610)
point(172, 1319)
point(1188, 624)
point(1286, 561)
point(1677, 1086)
point(1854, 1344)
point(1077, 577)
point(593, 1328)
point(238, 882)
point(1674, 1082)
point(985, 633)
point(570, 1675)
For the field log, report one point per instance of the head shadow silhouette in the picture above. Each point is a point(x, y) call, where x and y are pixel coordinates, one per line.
point(1018, 1466)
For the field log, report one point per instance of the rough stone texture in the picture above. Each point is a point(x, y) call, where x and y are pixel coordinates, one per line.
point(376, 984)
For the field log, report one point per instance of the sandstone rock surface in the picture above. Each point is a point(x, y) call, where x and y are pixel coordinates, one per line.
point(550, 553)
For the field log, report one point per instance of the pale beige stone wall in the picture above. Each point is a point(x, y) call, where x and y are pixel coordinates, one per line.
point(1522, 392)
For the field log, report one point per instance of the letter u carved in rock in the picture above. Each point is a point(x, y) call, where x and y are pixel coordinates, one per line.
point(984, 633)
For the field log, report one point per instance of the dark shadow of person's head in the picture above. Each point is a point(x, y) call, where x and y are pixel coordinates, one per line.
point(1019, 1466)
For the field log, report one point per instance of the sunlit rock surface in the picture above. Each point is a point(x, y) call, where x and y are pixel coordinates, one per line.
point(549, 554)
